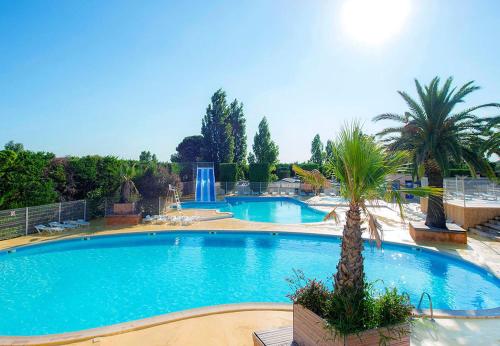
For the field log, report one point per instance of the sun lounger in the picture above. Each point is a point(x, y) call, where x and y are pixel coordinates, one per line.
point(149, 219)
point(82, 222)
point(43, 228)
point(62, 225)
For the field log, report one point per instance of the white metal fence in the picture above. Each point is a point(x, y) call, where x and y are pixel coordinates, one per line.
point(262, 188)
point(471, 191)
point(22, 221)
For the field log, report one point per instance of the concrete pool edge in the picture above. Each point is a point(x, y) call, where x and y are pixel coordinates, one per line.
point(125, 327)
point(131, 326)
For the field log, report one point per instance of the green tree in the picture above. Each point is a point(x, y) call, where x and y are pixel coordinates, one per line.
point(361, 165)
point(317, 153)
point(329, 149)
point(147, 158)
point(251, 158)
point(437, 136)
point(265, 150)
point(15, 147)
point(238, 131)
point(216, 130)
point(190, 149)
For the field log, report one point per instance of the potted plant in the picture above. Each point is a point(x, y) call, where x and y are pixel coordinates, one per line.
point(351, 314)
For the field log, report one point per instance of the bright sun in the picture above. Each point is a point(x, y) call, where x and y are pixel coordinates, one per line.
point(374, 21)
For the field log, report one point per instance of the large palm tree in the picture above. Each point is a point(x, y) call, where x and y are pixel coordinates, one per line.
point(437, 136)
point(361, 166)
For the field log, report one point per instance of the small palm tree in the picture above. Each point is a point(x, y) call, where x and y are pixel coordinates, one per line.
point(361, 166)
point(128, 190)
point(436, 136)
point(313, 178)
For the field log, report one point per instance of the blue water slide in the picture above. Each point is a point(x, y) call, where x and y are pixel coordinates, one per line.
point(205, 185)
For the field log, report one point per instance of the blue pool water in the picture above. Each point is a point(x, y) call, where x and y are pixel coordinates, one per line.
point(77, 284)
point(281, 210)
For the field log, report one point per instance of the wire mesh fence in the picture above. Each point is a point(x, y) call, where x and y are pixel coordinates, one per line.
point(144, 206)
point(22, 221)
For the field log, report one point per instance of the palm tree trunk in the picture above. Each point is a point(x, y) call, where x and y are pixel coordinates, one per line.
point(350, 274)
point(435, 208)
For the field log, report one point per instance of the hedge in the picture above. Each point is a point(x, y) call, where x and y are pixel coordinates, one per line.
point(259, 172)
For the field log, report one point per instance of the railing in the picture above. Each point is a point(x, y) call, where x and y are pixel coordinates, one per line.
point(471, 191)
point(21, 221)
point(430, 303)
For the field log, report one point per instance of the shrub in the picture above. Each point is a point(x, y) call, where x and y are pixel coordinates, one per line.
point(283, 171)
point(228, 172)
point(259, 172)
point(311, 294)
point(392, 308)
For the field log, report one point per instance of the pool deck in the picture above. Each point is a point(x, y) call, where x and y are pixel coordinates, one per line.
point(235, 328)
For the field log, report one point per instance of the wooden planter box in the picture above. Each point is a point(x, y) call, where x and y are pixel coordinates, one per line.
point(124, 208)
point(310, 330)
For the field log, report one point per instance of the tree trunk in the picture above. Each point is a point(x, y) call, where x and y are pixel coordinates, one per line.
point(350, 273)
point(435, 209)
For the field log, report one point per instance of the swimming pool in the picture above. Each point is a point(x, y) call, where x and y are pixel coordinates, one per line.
point(77, 284)
point(282, 210)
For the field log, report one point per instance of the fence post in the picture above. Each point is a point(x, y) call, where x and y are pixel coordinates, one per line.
point(463, 189)
point(84, 210)
point(27, 219)
point(59, 212)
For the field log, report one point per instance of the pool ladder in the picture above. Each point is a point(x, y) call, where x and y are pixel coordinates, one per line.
point(430, 303)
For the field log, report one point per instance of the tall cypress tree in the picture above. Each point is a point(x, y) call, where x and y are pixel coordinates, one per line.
point(217, 131)
point(265, 150)
point(317, 153)
point(238, 130)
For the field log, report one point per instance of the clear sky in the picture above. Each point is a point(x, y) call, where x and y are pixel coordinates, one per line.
point(119, 77)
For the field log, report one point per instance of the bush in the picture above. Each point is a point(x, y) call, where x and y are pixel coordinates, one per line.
point(259, 172)
point(228, 172)
point(283, 171)
point(311, 294)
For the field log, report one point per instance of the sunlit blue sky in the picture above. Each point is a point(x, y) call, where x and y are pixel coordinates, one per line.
point(119, 77)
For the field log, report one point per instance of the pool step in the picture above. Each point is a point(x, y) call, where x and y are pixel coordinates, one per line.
point(485, 234)
point(493, 225)
point(489, 229)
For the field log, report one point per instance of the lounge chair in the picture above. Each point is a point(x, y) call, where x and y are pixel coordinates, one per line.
point(43, 228)
point(62, 225)
point(82, 222)
point(186, 220)
point(149, 219)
